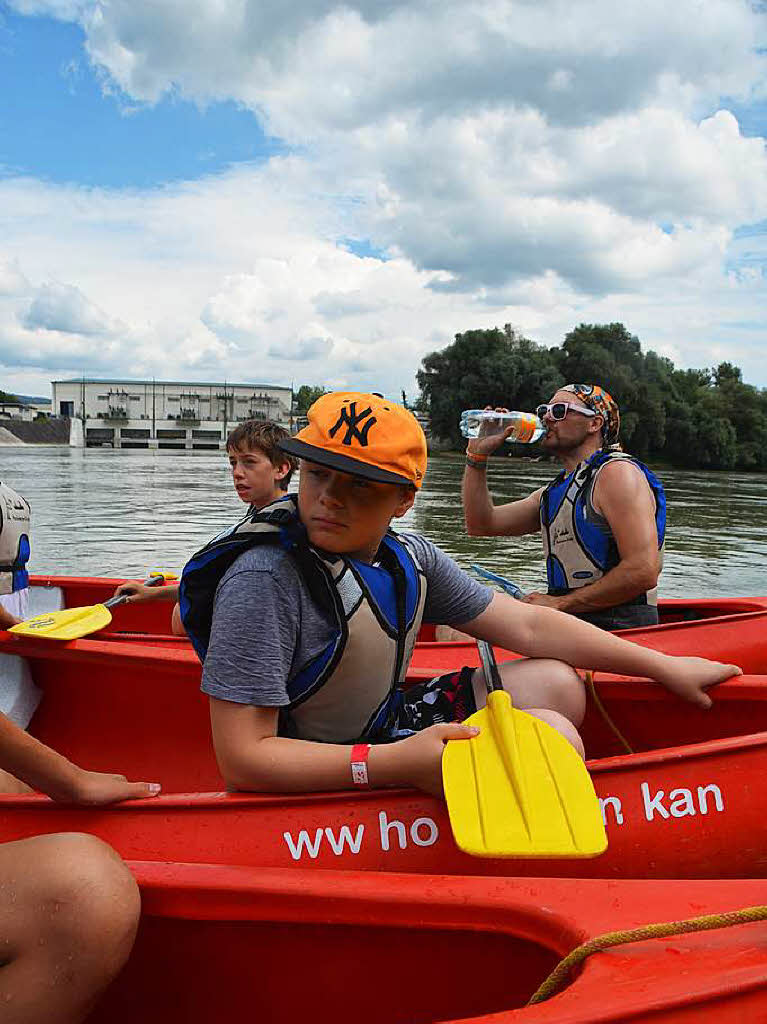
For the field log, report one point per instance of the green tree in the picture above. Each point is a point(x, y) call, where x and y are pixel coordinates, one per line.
point(484, 367)
point(695, 417)
point(608, 355)
point(714, 443)
point(745, 408)
point(605, 354)
point(726, 374)
point(306, 396)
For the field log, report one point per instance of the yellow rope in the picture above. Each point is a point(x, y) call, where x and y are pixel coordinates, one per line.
point(603, 712)
point(559, 975)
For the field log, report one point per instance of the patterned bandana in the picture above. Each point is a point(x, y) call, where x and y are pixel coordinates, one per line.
point(599, 401)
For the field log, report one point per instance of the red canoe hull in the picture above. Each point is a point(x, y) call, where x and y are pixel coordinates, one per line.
point(694, 809)
point(228, 944)
point(727, 629)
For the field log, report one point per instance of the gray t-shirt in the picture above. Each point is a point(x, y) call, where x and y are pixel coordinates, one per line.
point(266, 627)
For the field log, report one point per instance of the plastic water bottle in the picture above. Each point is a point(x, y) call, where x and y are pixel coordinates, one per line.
point(479, 422)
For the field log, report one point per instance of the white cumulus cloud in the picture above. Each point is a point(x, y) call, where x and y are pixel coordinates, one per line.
point(539, 162)
point(64, 308)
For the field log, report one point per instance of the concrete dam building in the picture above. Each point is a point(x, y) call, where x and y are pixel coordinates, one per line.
point(165, 414)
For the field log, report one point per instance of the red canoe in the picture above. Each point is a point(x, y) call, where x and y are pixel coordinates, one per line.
point(233, 943)
point(726, 629)
point(689, 803)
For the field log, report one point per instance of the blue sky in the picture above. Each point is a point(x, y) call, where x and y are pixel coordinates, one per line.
point(327, 192)
point(58, 122)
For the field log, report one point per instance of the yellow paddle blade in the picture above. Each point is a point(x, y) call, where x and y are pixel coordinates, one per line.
point(519, 789)
point(68, 624)
point(166, 574)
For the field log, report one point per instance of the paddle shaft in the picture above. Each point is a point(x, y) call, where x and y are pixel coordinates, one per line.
point(489, 666)
point(74, 623)
point(153, 581)
point(508, 586)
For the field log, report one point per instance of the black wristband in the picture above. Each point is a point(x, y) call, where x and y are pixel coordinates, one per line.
point(476, 464)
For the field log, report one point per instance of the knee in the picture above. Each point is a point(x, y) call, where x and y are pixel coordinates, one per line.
point(89, 891)
point(565, 690)
point(563, 726)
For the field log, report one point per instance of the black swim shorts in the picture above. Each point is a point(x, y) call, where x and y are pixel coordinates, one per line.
point(448, 698)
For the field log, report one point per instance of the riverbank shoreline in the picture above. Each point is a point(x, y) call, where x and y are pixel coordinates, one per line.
point(544, 459)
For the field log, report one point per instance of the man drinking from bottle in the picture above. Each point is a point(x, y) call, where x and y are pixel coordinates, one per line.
point(602, 519)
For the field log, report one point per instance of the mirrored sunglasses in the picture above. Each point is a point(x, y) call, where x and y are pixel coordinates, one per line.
point(559, 410)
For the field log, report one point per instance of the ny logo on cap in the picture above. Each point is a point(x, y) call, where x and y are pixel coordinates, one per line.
point(351, 419)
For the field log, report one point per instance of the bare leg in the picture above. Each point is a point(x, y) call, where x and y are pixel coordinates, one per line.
point(443, 633)
point(548, 689)
point(68, 915)
point(541, 683)
point(561, 724)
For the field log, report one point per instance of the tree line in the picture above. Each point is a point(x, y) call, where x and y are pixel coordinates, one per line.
point(692, 418)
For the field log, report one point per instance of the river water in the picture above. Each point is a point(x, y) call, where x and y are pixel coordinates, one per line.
point(105, 512)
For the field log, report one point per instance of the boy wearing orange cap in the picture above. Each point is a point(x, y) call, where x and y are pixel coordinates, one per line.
point(306, 613)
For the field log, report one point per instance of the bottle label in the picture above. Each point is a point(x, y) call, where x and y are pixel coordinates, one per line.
point(525, 428)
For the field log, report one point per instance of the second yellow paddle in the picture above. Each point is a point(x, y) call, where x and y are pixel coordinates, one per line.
point(72, 623)
point(518, 789)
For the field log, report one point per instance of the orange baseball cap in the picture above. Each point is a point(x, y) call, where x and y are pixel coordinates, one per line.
point(364, 435)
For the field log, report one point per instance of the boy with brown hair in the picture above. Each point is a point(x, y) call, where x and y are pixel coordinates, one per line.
point(305, 616)
point(260, 469)
point(261, 473)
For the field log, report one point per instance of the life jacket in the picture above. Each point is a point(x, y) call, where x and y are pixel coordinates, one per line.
point(577, 540)
point(348, 690)
point(14, 540)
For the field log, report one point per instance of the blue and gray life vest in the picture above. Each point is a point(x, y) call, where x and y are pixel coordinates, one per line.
point(577, 540)
point(348, 691)
point(14, 540)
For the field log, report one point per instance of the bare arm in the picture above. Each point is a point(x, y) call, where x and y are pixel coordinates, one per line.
point(623, 496)
point(252, 757)
point(176, 625)
point(44, 769)
point(484, 519)
point(546, 633)
point(140, 592)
